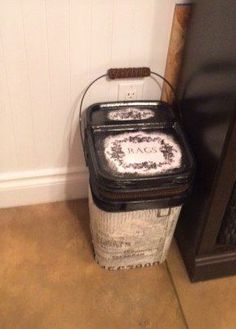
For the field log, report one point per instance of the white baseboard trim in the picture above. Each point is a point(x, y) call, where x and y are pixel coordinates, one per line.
point(42, 186)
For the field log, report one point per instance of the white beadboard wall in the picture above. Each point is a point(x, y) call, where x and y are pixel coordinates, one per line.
point(49, 51)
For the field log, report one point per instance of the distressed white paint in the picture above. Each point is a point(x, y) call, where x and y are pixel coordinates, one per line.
point(49, 51)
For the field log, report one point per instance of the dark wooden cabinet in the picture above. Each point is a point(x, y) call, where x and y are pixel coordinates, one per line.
point(206, 232)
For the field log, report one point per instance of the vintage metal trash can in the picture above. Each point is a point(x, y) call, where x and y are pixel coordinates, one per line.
point(141, 171)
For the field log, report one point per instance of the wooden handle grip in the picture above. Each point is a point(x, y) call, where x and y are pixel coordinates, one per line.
point(129, 72)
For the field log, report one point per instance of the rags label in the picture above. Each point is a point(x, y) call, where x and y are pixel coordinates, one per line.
point(142, 153)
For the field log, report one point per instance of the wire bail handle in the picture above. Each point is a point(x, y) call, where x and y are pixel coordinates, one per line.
point(124, 73)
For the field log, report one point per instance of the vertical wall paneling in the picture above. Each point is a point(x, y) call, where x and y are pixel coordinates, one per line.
point(101, 41)
point(140, 43)
point(58, 52)
point(79, 43)
point(122, 32)
point(7, 134)
point(123, 13)
point(15, 60)
point(35, 35)
point(49, 51)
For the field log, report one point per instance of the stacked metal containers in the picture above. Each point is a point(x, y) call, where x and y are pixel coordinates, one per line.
point(140, 174)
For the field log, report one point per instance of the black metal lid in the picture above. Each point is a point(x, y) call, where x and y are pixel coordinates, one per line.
point(129, 112)
point(136, 145)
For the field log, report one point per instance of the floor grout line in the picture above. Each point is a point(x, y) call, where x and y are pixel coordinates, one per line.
point(177, 295)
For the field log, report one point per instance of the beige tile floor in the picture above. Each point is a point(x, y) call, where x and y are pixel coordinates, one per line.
point(48, 279)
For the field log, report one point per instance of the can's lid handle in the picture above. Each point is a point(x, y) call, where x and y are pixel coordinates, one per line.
point(125, 73)
point(128, 73)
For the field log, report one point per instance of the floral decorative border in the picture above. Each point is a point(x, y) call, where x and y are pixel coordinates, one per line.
point(117, 154)
point(130, 113)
